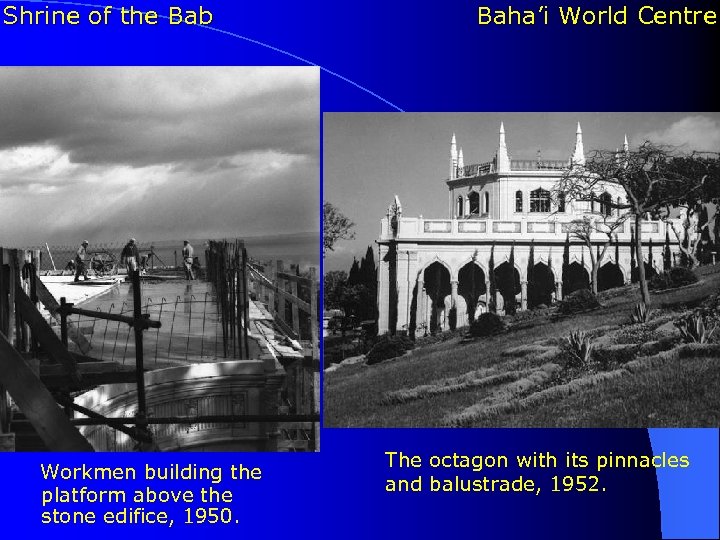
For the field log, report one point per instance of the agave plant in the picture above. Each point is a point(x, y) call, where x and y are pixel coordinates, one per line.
point(640, 314)
point(693, 329)
point(580, 347)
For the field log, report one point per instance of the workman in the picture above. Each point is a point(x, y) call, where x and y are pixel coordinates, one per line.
point(81, 258)
point(130, 256)
point(187, 253)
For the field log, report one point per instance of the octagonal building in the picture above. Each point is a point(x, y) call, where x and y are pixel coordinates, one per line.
point(435, 272)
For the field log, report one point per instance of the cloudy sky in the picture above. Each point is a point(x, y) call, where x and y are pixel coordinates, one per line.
point(368, 158)
point(157, 153)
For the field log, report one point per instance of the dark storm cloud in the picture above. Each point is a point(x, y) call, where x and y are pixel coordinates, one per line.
point(228, 204)
point(147, 116)
point(157, 152)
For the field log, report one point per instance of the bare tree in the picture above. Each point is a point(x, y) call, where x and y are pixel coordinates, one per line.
point(336, 226)
point(688, 234)
point(704, 166)
point(590, 226)
point(650, 176)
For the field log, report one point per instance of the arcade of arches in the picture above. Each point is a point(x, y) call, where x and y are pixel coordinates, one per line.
point(446, 303)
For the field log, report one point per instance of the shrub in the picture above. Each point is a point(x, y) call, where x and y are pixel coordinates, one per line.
point(671, 279)
point(668, 342)
point(636, 333)
point(486, 324)
point(578, 348)
point(693, 329)
point(651, 348)
point(712, 303)
point(439, 337)
point(578, 301)
point(615, 355)
point(387, 347)
point(530, 314)
point(710, 309)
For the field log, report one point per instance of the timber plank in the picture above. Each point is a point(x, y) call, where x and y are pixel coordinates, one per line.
point(36, 403)
point(295, 278)
point(93, 374)
point(52, 305)
point(314, 332)
point(294, 309)
point(272, 289)
point(45, 335)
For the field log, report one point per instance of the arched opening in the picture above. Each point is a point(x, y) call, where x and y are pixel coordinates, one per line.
point(606, 204)
point(540, 291)
point(540, 200)
point(486, 199)
point(437, 287)
point(507, 282)
point(471, 286)
point(474, 199)
point(575, 278)
point(460, 206)
point(610, 276)
point(518, 201)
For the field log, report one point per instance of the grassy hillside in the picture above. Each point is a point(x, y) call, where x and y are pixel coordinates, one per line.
point(641, 376)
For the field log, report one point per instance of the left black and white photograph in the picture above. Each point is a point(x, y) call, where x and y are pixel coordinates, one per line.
point(159, 259)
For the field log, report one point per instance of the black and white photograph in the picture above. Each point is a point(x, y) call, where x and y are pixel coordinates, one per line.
point(160, 259)
point(521, 270)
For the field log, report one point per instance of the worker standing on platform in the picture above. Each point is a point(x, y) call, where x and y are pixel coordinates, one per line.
point(187, 253)
point(130, 256)
point(81, 261)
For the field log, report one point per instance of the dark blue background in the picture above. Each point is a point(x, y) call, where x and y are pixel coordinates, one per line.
point(414, 56)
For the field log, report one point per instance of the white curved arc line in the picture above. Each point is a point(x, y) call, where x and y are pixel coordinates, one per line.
point(238, 36)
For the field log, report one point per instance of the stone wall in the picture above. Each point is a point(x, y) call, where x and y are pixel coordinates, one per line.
point(222, 388)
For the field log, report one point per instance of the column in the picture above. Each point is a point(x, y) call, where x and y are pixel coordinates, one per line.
point(523, 295)
point(420, 308)
point(453, 303)
point(487, 295)
point(558, 291)
point(427, 309)
point(382, 295)
point(406, 282)
point(404, 290)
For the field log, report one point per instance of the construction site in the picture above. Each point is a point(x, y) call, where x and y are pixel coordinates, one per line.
point(149, 361)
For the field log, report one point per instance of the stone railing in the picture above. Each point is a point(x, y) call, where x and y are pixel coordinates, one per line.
point(411, 229)
point(477, 169)
point(538, 164)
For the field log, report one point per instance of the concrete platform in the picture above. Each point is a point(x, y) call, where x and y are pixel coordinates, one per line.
point(63, 286)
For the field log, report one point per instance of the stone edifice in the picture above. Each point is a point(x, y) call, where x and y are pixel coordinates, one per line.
point(501, 210)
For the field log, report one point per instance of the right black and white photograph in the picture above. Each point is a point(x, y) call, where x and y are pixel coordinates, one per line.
point(521, 270)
